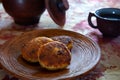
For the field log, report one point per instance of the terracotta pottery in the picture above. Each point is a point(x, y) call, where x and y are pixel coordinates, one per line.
point(57, 10)
point(85, 55)
point(24, 12)
point(28, 12)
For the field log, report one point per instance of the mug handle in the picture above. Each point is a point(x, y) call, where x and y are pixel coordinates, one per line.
point(90, 21)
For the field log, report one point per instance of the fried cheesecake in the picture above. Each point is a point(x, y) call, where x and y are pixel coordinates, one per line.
point(29, 51)
point(64, 39)
point(54, 55)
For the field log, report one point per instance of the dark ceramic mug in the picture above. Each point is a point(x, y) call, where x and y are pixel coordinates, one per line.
point(108, 21)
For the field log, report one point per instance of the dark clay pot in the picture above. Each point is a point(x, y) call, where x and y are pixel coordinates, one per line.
point(24, 12)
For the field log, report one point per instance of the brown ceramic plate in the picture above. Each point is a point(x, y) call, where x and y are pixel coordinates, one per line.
point(85, 56)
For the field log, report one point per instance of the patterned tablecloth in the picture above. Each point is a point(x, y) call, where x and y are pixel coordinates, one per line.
point(76, 20)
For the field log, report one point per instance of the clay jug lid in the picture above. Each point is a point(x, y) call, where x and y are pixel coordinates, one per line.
point(57, 10)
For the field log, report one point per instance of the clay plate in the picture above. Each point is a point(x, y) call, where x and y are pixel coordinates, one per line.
point(85, 56)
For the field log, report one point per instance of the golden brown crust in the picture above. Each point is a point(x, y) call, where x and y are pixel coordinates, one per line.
point(64, 39)
point(29, 51)
point(54, 55)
